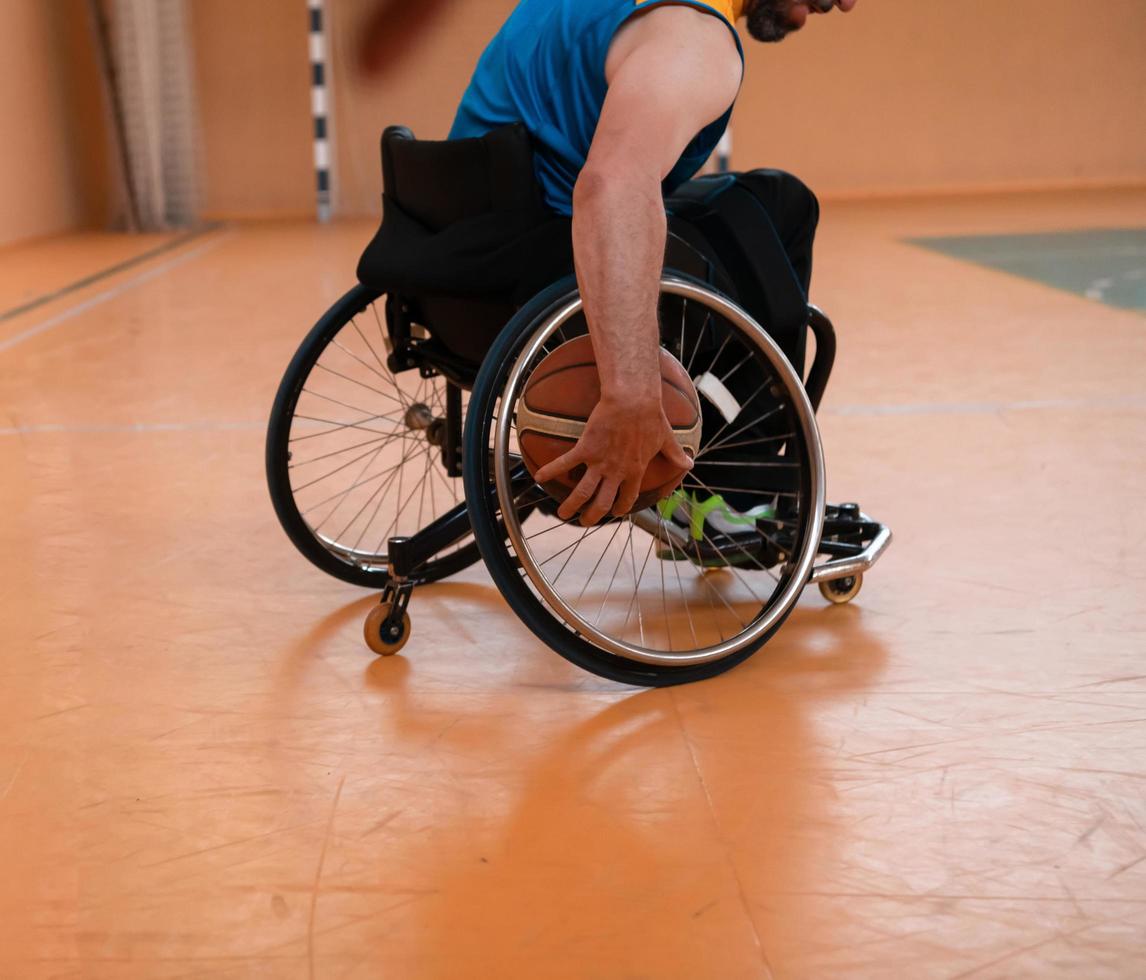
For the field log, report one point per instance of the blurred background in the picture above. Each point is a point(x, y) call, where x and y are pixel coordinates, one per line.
point(214, 110)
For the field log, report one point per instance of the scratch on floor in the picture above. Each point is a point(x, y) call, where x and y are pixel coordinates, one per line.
point(12, 781)
point(318, 876)
point(1091, 829)
point(1114, 680)
point(1058, 935)
point(720, 836)
point(1126, 867)
point(382, 823)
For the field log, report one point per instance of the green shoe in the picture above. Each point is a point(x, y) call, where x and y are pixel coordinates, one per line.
point(719, 535)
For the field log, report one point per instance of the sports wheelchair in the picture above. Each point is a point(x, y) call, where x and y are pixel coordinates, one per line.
point(392, 456)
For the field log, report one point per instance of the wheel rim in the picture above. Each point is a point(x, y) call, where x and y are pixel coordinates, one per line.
point(364, 447)
point(719, 626)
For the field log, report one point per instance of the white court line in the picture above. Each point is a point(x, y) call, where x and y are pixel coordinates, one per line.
point(113, 292)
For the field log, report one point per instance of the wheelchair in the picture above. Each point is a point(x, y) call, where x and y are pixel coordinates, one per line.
point(392, 457)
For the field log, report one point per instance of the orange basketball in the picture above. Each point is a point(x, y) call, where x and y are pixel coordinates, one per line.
point(559, 397)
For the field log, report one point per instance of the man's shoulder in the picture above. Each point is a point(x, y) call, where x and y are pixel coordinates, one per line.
point(699, 23)
point(678, 28)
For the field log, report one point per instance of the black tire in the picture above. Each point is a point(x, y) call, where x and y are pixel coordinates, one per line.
point(501, 562)
point(278, 459)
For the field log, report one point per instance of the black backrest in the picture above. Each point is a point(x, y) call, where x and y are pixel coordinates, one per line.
point(441, 182)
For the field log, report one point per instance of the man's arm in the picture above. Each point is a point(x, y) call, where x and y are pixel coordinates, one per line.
point(670, 73)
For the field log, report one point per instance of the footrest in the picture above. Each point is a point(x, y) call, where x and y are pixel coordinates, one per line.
point(848, 521)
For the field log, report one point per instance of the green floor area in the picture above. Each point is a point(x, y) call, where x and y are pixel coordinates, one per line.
point(1108, 265)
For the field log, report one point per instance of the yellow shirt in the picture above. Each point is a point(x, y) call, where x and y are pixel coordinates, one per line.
point(732, 9)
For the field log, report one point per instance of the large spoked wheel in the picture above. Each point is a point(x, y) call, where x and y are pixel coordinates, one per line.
point(354, 451)
point(660, 597)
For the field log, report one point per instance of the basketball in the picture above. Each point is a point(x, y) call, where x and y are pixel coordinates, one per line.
point(561, 394)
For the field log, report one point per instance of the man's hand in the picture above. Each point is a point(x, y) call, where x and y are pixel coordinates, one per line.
point(619, 441)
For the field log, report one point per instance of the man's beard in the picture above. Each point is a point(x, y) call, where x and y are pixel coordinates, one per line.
point(768, 20)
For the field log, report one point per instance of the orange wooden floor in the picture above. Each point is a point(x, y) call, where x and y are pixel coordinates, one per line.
point(204, 773)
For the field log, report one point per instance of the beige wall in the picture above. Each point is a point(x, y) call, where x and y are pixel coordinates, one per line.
point(900, 95)
point(254, 103)
point(952, 94)
point(54, 168)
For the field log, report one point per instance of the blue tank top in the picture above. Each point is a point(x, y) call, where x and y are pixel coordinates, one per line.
point(546, 69)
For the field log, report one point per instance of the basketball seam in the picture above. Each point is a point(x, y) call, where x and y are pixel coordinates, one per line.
point(536, 418)
point(694, 405)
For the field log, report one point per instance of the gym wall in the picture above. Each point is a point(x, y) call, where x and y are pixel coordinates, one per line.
point(898, 96)
point(253, 86)
point(55, 171)
point(949, 95)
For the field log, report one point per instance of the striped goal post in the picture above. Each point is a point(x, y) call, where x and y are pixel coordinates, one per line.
point(320, 107)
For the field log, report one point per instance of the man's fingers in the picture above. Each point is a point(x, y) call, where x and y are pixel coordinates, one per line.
point(602, 502)
point(627, 497)
point(559, 466)
point(579, 496)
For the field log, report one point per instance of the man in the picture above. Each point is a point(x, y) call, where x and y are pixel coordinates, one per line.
point(625, 101)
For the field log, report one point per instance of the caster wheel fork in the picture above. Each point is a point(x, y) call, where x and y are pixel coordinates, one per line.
point(387, 627)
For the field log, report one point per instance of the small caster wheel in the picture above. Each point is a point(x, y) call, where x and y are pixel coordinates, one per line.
point(841, 590)
point(383, 637)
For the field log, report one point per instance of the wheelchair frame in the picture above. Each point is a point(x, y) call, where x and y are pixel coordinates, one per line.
point(431, 329)
point(850, 540)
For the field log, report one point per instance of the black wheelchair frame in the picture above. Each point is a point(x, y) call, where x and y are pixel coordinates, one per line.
point(844, 535)
point(426, 326)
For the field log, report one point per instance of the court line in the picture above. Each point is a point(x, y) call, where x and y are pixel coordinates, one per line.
point(1133, 402)
point(110, 271)
point(113, 292)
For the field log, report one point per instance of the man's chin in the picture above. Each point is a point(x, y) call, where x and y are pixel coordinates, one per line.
point(770, 28)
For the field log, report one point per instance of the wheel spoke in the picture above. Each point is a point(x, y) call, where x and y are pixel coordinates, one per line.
point(616, 527)
point(366, 364)
point(353, 408)
point(341, 426)
point(370, 347)
point(362, 384)
point(347, 449)
point(716, 442)
point(383, 490)
point(747, 357)
point(339, 469)
point(743, 596)
point(358, 483)
point(636, 600)
point(359, 454)
point(699, 338)
point(398, 470)
point(748, 442)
